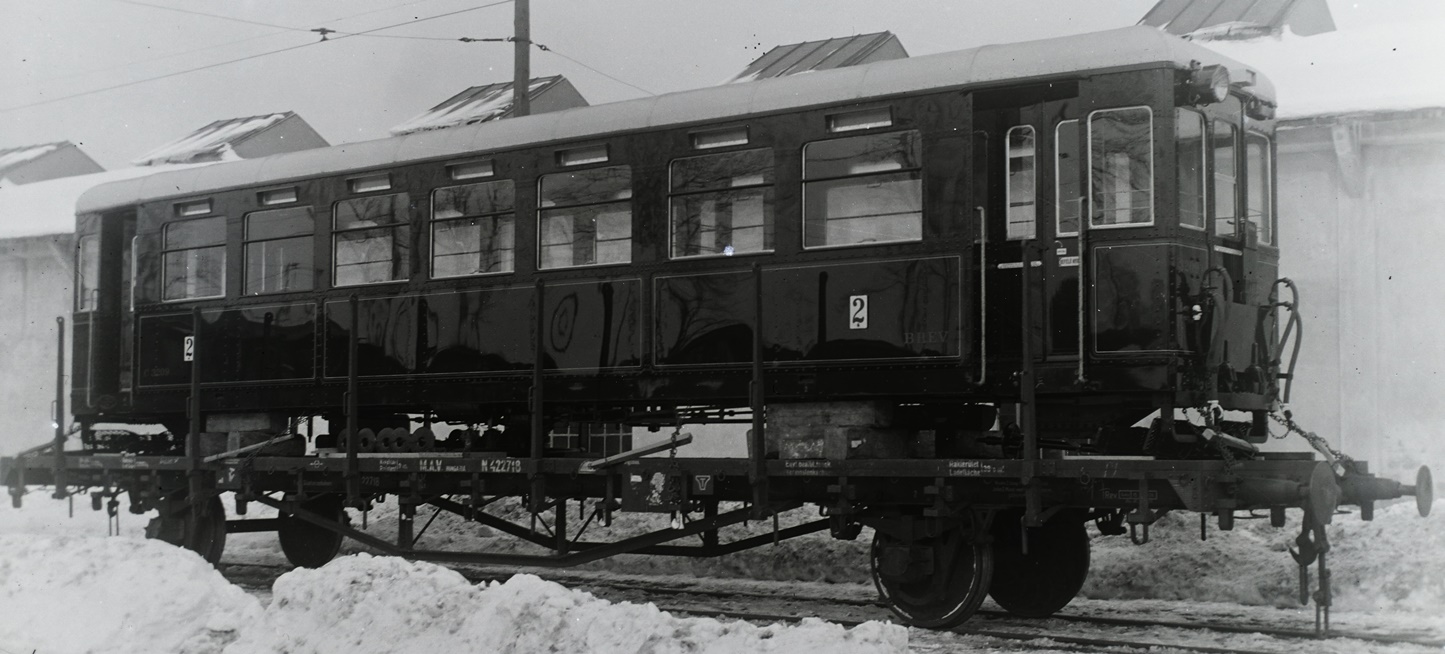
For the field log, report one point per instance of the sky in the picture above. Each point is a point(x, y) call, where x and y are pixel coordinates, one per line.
point(355, 88)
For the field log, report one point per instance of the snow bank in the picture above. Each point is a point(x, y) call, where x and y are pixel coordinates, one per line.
point(361, 604)
point(1392, 563)
point(116, 595)
point(124, 595)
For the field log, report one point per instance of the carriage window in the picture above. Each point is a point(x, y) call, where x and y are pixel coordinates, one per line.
point(586, 217)
point(370, 240)
point(1189, 154)
point(864, 189)
point(1066, 178)
point(722, 204)
point(279, 251)
point(472, 229)
point(1020, 182)
point(194, 259)
point(1256, 151)
point(1121, 167)
point(88, 266)
point(1226, 178)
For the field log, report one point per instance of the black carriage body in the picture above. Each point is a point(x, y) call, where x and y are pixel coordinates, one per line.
point(934, 319)
point(946, 293)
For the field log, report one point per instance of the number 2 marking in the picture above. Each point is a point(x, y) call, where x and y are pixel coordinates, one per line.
point(188, 348)
point(858, 304)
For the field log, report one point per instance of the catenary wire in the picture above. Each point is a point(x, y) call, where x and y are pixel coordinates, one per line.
point(214, 46)
point(240, 59)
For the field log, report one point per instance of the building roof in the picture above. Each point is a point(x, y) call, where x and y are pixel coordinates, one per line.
point(1120, 48)
point(1386, 66)
point(48, 207)
point(14, 157)
point(1239, 19)
point(212, 142)
point(474, 105)
point(823, 55)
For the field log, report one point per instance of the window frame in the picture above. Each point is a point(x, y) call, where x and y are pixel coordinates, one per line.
point(247, 241)
point(1214, 178)
point(1032, 231)
point(80, 270)
point(770, 218)
point(1089, 165)
point(541, 210)
point(166, 250)
point(1080, 196)
point(1268, 226)
point(405, 222)
point(1205, 174)
point(433, 221)
point(804, 180)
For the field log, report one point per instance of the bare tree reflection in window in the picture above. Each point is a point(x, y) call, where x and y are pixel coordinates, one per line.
point(370, 241)
point(863, 189)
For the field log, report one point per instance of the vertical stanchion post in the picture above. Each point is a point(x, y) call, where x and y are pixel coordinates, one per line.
point(758, 471)
point(193, 435)
point(59, 462)
point(1028, 420)
point(353, 409)
point(538, 417)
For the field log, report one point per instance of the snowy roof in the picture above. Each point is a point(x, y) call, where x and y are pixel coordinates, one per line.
point(474, 105)
point(214, 141)
point(1389, 66)
point(1114, 49)
point(823, 55)
point(48, 207)
point(12, 157)
point(1225, 19)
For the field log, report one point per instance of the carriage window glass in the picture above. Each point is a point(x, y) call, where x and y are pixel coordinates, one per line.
point(473, 229)
point(1189, 157)
point(722, 204)
point(1256, 166)
point(1121, 167)
point(1020, 182)
point(1226, 178)
point(194, 259)
point(585, 217)
point(87, 269)
point(1066, 178)
point(278, 250)
point(370, 240)
point(863, 189)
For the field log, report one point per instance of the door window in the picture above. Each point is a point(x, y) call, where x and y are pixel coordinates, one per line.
point(1121, 167)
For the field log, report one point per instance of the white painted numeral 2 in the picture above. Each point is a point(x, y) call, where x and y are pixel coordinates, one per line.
point(858, 312)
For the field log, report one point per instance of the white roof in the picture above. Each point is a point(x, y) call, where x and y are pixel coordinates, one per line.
point(213, 140)
point(1384, 66)
point(474, 105)
point(16, 156)
point(48, 207)
point(1129, 46)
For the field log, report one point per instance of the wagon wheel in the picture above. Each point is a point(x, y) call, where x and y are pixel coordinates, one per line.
point(934, 583)
point(175, 518)
point(309, 545)
point(1038, 584)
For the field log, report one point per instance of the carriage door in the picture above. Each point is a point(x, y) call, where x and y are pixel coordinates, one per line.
point(1026, 190)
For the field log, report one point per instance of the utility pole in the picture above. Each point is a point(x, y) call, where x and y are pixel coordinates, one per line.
point(522, 69)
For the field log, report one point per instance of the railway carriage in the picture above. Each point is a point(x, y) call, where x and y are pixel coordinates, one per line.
point(972, 301)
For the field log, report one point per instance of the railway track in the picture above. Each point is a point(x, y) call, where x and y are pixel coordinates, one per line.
point(1065, 631)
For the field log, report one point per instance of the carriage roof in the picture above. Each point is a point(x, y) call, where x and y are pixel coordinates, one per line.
point(1042, 59)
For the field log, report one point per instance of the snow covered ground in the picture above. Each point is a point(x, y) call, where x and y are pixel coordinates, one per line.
point(65, 587)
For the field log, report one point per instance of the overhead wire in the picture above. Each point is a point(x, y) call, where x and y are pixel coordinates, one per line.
point(324, 32)
point(247, 58)
point(214, 46)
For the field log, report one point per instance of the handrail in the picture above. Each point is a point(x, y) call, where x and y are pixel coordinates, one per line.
point(982, 293)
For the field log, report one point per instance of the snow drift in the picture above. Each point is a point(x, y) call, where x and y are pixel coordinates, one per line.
point(88, 594)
